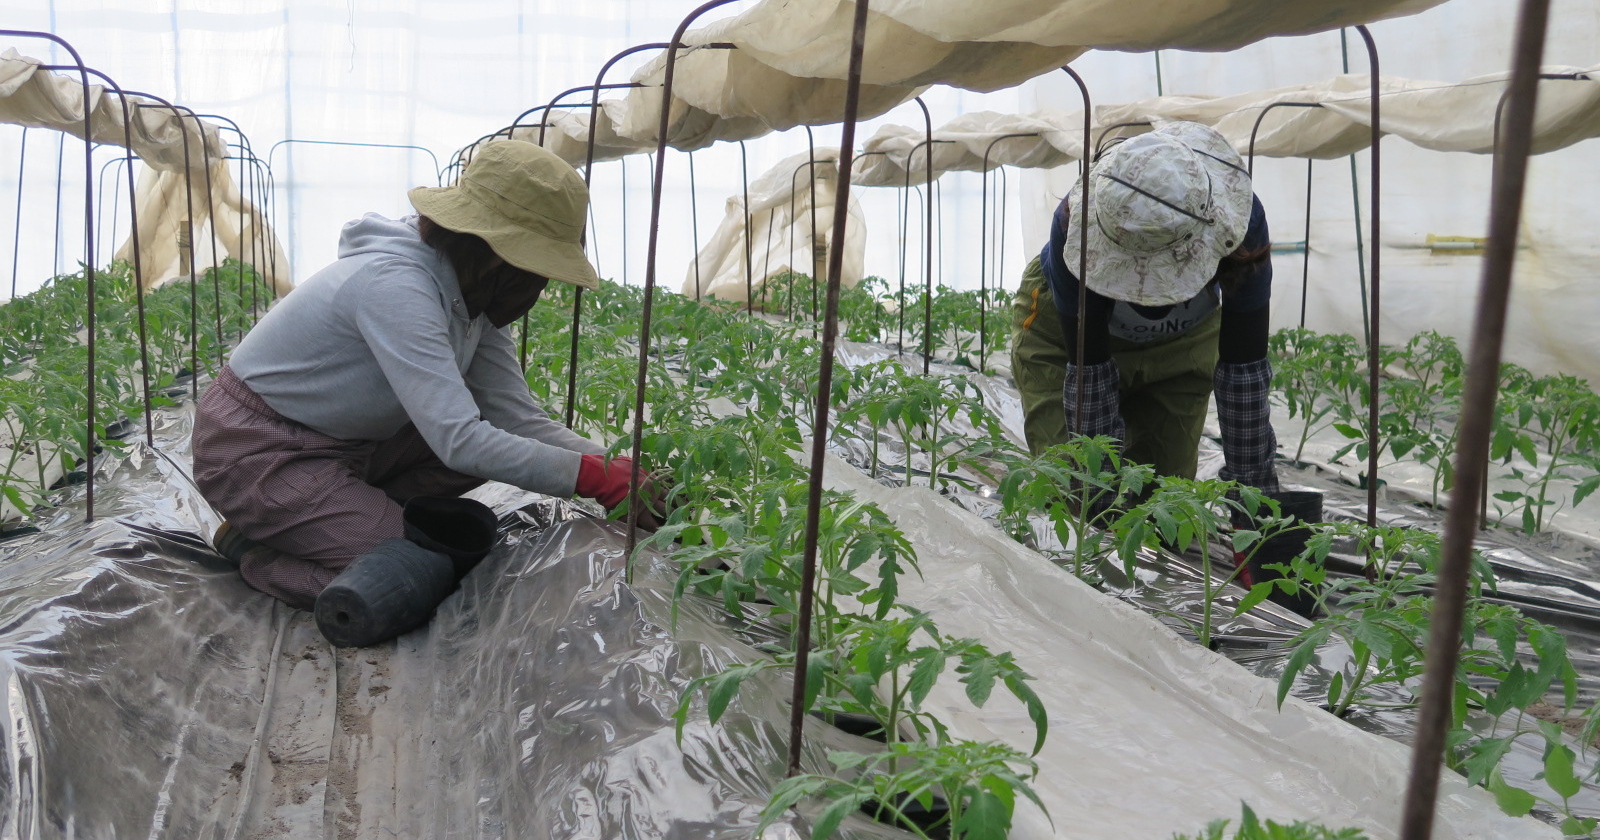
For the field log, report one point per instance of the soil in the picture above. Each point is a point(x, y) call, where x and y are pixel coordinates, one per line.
point(1572, 724)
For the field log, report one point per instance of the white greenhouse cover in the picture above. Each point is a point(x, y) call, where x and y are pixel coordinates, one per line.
point(791, 56)
point(783, 63)
point(55, 100)
point(781, 233)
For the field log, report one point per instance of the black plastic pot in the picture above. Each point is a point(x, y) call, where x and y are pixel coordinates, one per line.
point(462, 529)
point(861, 726)
point(932, 821)
point(18, 531)
point(390, 590)
point(1302, 506)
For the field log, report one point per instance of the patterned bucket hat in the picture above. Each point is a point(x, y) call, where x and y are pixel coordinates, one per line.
point(1166, 206)
point(528, 204)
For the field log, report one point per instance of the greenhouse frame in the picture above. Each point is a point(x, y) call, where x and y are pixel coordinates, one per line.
point(861, 602)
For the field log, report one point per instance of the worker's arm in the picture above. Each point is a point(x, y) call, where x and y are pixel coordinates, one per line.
point(495, 379)
point(1243, 379)
point(1102, 414)
point(407, 332)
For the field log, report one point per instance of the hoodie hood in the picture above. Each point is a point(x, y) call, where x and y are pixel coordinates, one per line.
point(374, 235)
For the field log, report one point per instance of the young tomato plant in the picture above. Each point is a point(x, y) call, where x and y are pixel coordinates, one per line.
point(1561, 780)
point(1558, 417)
point(1314, 376)
point(1384, 622)
point(901, 658)
point(979, 781)
point(1072, 485)
point(1252, 827)
point(1185, 513)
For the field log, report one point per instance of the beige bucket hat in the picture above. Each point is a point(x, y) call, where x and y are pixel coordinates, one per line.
point(528, 204)
point(1166, 206)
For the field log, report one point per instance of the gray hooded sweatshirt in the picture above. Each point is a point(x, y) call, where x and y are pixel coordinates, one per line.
point(382, 337)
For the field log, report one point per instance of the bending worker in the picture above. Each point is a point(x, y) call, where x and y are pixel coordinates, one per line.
point(1179, 285)
point(347, 421)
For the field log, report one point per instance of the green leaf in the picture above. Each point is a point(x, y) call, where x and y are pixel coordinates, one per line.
point(1512, 800)
point(1305, 649)
point(1526, 449)
point(724, 687)
point(1558, 770)
point(1036, 711)
point(1500, 447)
point(828, 821)
point(985, 817)
point(1256, 595)
point(817, 666)
point(1585, 488)
point(1484, 758)
point(924, 675)
point(978, 674)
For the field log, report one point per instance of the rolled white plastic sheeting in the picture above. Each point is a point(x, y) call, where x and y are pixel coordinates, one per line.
point(1443, 116)
point(781, 234)
point(169, 142)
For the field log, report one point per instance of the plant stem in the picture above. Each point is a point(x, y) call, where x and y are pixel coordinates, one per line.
point(1349, 698)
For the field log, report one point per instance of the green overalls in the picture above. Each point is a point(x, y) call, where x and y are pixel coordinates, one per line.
point(1164, 392)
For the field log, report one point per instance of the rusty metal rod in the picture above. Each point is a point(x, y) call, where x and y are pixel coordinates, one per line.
point(810, 163)
point(811, 175)
point(16, 239)
point(1250, 159)
point(1305, 251)
point(1374, 336)
point(694, 229)
point(1105, 134)
point(749, 274)
point(138, 263)
point(188, 226)
point(819, 429)
point(1499, 111)
point(1083, 250)
point(927, 239)
point(1477, 421)
point(88, 245)
point(983, 246)
point(245, 143)
point(663, 127)
point(588, 179)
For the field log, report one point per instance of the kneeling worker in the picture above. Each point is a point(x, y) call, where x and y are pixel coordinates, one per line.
point(336, 441)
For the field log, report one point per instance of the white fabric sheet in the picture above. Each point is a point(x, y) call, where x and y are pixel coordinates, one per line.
point(780, 231)
point(169, 142)
point(1150, 734)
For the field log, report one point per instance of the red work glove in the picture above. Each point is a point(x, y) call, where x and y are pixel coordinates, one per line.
point(1245, 578)
point(606, 481)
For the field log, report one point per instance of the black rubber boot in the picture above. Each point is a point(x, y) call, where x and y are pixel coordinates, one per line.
point(1302, 506)
point(461, 529)
point(390, 590)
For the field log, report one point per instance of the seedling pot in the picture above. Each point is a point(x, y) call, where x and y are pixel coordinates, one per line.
point(390, 590)
point(932, 821)
point(1301, 506)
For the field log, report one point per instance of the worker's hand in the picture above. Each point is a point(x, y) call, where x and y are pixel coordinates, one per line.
point(606, 481)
